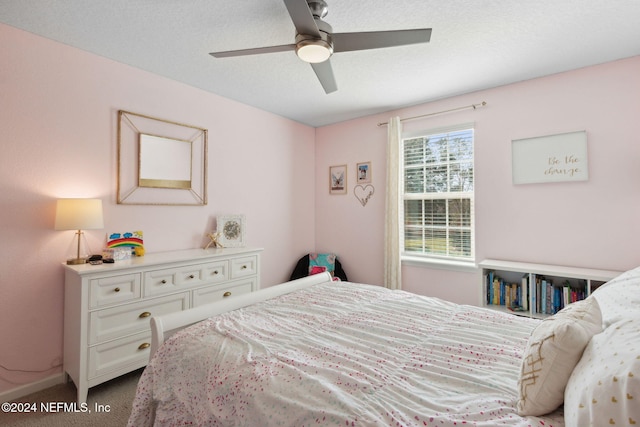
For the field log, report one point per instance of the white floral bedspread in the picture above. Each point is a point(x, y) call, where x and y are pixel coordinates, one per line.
point(341, 354)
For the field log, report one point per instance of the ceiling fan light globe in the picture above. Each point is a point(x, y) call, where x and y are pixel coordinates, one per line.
point(314, 51)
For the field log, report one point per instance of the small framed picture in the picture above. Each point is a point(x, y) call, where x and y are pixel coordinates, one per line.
point(338, 179)
point(231, 229)
point(363, 171)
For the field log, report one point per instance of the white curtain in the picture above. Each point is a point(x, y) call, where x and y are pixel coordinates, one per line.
point(392, 267)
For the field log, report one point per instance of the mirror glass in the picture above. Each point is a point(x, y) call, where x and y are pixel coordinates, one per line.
point(164, 162)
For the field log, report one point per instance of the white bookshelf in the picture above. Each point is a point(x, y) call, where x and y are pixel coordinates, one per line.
point(525, 281)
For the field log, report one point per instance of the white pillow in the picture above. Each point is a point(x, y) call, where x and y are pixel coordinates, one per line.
point(553, 350)
point(604, 388)
point(619, 297)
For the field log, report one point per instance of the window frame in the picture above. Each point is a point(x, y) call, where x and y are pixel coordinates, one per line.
point(445, 261)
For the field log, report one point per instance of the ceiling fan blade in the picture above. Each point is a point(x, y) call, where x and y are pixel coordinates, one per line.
point(254, 51)
point(346, 42)
point(325, 75)
point(302, 17)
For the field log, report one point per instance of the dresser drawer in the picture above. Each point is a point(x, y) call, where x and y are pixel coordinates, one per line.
point(217, 293)
point(114, 289)
point(215, 272)
point(124, 354)
point(159, 282)
point(242, 267)
point(114, 322)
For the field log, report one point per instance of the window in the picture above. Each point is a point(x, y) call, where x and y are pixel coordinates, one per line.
point(437, 171)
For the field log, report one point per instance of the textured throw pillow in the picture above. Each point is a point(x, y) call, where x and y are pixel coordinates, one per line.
point(553, 350)
point(604, 388)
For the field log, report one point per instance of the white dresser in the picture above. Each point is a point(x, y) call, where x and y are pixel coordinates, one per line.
point(107, 307)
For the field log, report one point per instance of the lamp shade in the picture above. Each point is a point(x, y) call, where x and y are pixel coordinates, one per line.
point(79, 214)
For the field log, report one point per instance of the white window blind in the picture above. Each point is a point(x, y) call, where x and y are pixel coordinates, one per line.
point(437, 175)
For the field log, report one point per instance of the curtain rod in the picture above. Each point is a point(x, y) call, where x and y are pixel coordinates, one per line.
point(474, 106)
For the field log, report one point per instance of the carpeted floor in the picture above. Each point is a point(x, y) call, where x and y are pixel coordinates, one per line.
point(108, 405)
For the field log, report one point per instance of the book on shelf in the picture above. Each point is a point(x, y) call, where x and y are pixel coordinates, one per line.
point(524, 293)
point(543, 296)
point(550, 298)
point(557, 299)
point(537, 294)
point(511, 295)
point(520, 289)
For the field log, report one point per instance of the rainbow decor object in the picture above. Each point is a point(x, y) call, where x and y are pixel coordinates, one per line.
point(132, 239)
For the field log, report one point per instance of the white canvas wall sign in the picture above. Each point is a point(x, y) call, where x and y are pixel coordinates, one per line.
point(553, 158)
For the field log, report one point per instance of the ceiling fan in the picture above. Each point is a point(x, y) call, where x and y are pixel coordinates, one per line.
point(315, 41)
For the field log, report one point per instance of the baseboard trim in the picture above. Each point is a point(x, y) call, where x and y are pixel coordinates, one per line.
point(33, 387)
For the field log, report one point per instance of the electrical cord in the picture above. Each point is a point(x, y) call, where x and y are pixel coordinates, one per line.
point(26, 371)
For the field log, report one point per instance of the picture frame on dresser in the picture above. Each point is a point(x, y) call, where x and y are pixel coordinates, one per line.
point(231, 229)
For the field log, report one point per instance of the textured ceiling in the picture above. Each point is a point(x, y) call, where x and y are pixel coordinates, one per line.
point(474, 45)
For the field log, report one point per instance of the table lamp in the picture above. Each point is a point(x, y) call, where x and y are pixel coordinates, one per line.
point(79, 214)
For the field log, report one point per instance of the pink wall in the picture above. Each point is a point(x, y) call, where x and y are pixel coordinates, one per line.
point(584, 224)
point(58, 118)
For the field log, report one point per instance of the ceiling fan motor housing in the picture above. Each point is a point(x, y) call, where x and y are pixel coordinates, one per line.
point(322, 47)
point(325, 34)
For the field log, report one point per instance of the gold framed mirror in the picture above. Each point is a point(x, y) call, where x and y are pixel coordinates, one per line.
point(160, 162)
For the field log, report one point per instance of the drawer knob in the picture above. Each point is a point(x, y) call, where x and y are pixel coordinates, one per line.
point(226, 294)
point(244, 267)
point(116, 290)
point(163, 281)
point(191, 276)
point(144, 314)
point(215, 271)
point(144, 345)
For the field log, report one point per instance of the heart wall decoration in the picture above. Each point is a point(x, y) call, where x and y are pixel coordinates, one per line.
point(363, 193)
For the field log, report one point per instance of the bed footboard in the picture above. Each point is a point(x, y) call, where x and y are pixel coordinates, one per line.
point(162, 327)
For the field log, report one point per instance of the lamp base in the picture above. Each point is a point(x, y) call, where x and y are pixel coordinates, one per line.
point(76, 261)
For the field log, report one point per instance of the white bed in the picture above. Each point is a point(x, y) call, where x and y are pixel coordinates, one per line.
point(317, 352)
